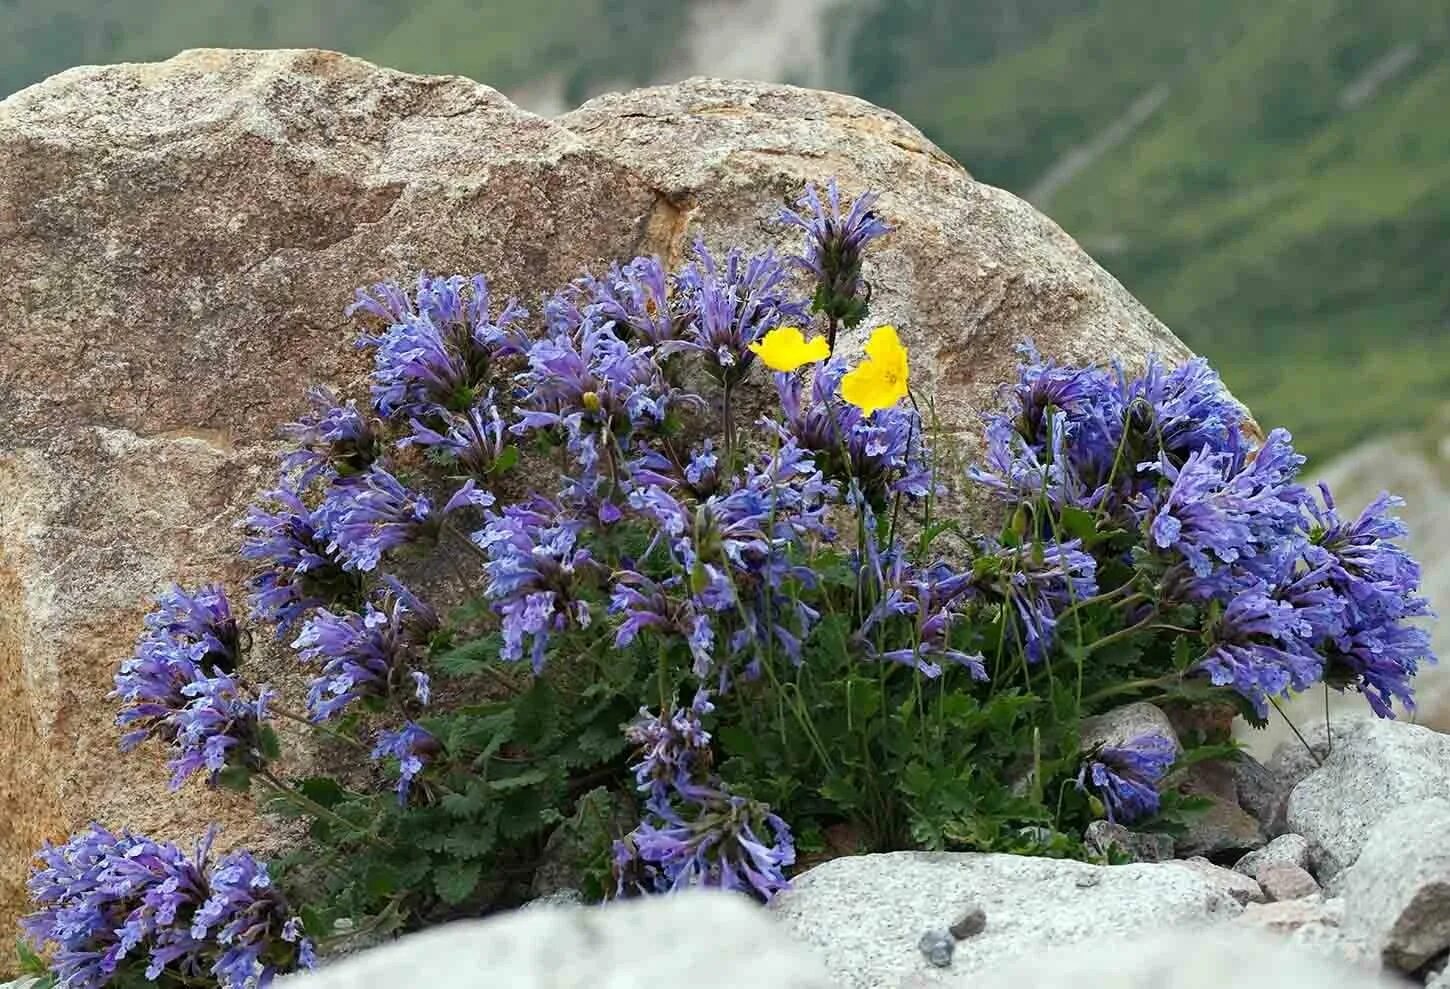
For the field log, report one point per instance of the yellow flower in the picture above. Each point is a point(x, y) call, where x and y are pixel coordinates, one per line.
point(878, 382)
point(785, 348)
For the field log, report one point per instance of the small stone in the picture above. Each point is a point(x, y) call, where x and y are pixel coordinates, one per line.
point(1122, 724)
point(1288, 916)
point(1397, 895)
point(1139, 846)
point(973, 921)
point(938, 946)
point(1262, 792)
point(1287, 849)
point(1240, 887)
point(1088, 882)
point(557, 898)
point(1286, 881)
point(1224, 827)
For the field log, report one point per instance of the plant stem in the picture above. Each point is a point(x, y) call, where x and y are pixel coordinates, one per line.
point(291, 793)
point(1127, 688)
point(284, 713)
point(1123, 633)
point(1295, 729)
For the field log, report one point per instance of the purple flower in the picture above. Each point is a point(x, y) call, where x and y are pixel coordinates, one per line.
point(1125, 777)
point(367, 655)
point(598, 389)
point(412, 746)
point(333, 440)
point(473, 439)
point(1221, 508)
point(1375, 650)
point(636, 301)
point(440, 345)
point(220, 726)
point(1261, 648)
point(373, 513)
point(249, 919)
point(1184, 410)
point(535, 569)
point(188, 638)
point(1036, 582)
point(695, 832)
point(883, 453)
point(932, 599)
point(835, 243)
point(298, 571)
point(733, 305)
point(103, 899)
point(667, 609)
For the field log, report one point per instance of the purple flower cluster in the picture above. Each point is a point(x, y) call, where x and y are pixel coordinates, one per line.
point(440, 345)
point(695, 832)
point(733, 303)
point(1297, 595)
point(636, 301)
point(299, 571)
point(1125, 777)
point(1374, 645)
point(368, 655)
point(835, 247)
point(177, 687)
point(106, 902)
point(334, 440)
point(933, 600)
point(1036, 583)
point(412, 746)
point(734, 550)
point(536, 569)
point(883, 453)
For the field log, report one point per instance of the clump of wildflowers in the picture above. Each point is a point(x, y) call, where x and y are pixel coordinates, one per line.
point(112, 907)
point(334, 440)
point(411, 746)
point(298, 570)
point(1125, 777)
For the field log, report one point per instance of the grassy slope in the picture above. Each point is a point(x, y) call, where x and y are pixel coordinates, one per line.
point(1302, 246)
point(501, 42)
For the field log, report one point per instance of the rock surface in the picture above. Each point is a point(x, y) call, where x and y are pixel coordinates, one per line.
point(1397, 896)
point(179, 241)
point(1373, 767)
point(865, 914)
point(1139, 846)
point(1193, 960)
point(1235, 884)
point(1123, 724)
point(1225, 828)
point(1286, 881)
point(720, 940)
point(1287, 849)
point(1263, 793)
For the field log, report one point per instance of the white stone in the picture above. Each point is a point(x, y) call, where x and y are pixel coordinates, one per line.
point(1235, 884)
point(1397, 896)
point(865, 914)
point(710, 940)
point(1373, 768)
point(1286, 881)
point(1211, 959)
point(1287, 849)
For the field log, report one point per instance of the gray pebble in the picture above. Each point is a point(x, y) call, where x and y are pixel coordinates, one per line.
point(973, 921)
point(937, 946)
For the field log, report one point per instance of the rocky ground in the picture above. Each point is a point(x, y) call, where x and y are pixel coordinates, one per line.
point(1346, 885)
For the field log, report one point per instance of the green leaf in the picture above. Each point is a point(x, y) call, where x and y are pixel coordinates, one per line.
point(1080, 524)
point(322, 790)
point(456, 881)
point(238, 779)
point(471, 841)
point(536, 714)
point(524, 779)
point(505, 461)
point(468, 658)
point(268, 744)
point(382, 880)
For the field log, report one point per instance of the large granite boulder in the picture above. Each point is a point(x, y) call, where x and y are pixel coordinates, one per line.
point(179, 241)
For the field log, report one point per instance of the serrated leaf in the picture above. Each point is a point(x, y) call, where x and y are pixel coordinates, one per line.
point(471, 842)
point(468, 658)
point(528, 777)
point(456, 881)
point(238, 779)
point(506, 460)
point(268, 743)
point(536, 714)
point(321, 790)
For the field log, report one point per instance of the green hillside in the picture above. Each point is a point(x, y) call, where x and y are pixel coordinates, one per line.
point(1286, 216)
point(503, 42)
point(1272, 177)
